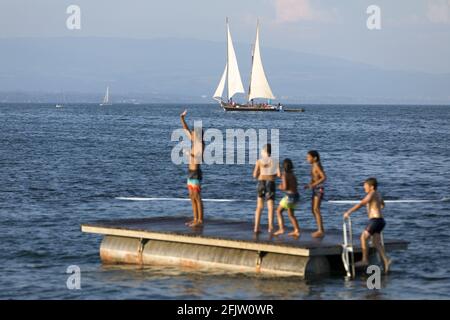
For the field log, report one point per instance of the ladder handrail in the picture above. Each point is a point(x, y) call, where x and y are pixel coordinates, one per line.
point(349, 262)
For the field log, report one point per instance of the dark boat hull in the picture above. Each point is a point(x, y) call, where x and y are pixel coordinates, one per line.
point(249, 109)
point(245, 107)
point(241, 107)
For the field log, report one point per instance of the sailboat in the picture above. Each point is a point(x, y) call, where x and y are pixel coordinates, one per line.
point(106, 101)
point(61, 105)
point(259, 87)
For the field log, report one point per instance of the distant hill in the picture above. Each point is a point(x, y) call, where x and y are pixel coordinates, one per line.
point(186, 69)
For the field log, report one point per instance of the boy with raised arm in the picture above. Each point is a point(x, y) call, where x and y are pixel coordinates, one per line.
point(374, 204)
point(194, 172)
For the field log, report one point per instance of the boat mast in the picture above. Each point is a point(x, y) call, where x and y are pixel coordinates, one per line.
point(253, 57)
point(228, 65)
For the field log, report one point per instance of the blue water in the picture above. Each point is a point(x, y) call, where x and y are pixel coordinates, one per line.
point(63, 167)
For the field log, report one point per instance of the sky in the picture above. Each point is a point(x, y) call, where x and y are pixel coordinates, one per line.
point(414, 34)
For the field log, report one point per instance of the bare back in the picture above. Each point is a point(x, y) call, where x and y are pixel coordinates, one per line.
point(196, 153)
point(290, 182)
point(266, 169)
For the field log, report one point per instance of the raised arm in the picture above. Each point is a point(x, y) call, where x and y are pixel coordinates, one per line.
point(184, 124)
point(358, 206)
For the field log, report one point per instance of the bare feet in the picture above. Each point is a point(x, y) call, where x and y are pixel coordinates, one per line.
point(318, 234)
point(280, 231)
point(387, 265)
point(294, 233)
point(257, 231)
point(270, 230)
point(196, 224)
point(189, 223)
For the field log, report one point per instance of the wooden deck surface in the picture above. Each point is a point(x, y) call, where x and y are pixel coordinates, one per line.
point(230, 234)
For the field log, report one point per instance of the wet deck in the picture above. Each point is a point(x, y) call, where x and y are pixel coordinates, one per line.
point(228, 234)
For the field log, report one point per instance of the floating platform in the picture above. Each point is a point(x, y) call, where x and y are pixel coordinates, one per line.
point(224, 244)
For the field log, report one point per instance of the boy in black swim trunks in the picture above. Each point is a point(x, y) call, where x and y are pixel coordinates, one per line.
point(374, 204)
point(194, 173)
point(266, 170)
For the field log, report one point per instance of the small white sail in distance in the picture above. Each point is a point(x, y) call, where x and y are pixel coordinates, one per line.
point(259, 86)
point(106, 98)
point(231, 74)
point(106, 101)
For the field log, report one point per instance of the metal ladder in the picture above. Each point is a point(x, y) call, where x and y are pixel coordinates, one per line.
point(348, 254)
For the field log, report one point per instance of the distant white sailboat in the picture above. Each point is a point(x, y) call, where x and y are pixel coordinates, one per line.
point(259, 86)
point(106, 100)
point(61, 105)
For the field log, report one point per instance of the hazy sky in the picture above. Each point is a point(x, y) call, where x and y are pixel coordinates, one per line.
point(414, 35)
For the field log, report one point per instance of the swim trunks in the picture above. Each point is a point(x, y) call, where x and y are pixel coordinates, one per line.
point(376, 225)
point(318, 191)
point(266, 189)
point(194, 180)
point(290, 201)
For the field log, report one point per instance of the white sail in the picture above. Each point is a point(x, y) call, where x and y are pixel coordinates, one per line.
point(106, 98)
point(221, 86)
point(259, 86)
point(233, 75)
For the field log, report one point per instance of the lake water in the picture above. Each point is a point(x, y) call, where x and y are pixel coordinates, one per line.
point(62, 167)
